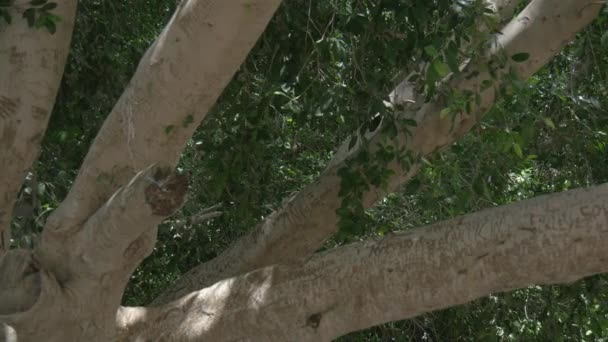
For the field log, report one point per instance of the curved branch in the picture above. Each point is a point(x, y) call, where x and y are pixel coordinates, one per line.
point(551, 239)
point(300, 227)
point(58, 281)
point(109, 238)
point(31, 64)
point(121, 233)
point(20, 285)
point(176, 83)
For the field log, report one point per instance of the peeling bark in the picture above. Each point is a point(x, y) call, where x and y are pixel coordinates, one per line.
point(551, 239)
point(31, 65)
point(300, 227)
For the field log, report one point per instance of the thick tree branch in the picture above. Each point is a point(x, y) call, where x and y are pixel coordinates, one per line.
point(298, 229)
point(122, 232)
point(66, 271)
point(551, 239)
point(31, 64)
point(176, 83)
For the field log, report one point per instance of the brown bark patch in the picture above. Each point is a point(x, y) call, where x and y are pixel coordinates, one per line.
point(39, 113)
point(167, 193)
point(313, 321)
point(16, 58)
point(8, 107)
point(9, 133)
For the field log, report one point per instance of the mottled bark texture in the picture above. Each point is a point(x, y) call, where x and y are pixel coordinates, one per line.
point(31, 67)
point(70, 286)
point(550, 239)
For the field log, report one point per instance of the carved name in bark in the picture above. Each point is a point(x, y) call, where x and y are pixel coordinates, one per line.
point(550, 239)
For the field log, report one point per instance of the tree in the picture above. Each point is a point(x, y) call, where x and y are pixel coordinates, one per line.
point(270, 284)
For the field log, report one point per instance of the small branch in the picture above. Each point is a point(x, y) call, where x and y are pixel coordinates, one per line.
point(31, 64)
point(211, 208)
point(552, 239)
point(299, 228)
point(204, 215)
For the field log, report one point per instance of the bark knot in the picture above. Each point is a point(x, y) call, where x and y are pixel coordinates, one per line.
point(314, 320)
point(167, 192)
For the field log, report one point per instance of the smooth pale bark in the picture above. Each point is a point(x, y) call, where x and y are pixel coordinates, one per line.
point(176, 83)
point(31, 66)
point(89, 249)
point(551, 239)
point(74, 297)
point(71, 286)
point(300, 227)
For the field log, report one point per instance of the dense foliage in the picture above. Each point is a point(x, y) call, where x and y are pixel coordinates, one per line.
point(320, 72)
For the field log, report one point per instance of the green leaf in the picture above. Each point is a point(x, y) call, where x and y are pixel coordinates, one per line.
point(50, 25)
point(53, 17)
point(441, 68)
point(169, 129)
point(431, 51)
point(432, 76)
point(604, 39)
point(445, 112)
point(30, 15)
point(549, 123)
point(451, 57)
point(409, 122)
point(7, 17)
point(467, 107)
point(478, 185)
point(520, 57)
point(517, 150)
point(62, 136)
point(189, 119)
point(41, 21)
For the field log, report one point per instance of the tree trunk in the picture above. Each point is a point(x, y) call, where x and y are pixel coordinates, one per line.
point(107, 225)
point(70, 287)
